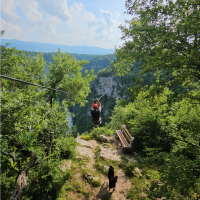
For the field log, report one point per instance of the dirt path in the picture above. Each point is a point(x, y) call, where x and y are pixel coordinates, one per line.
point(123, 184)
point(122, 187)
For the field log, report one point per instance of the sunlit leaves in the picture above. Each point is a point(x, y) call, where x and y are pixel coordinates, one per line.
point(65, 74)
point(164, 35)
point(29, 123)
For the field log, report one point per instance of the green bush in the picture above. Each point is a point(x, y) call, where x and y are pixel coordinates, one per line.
point(95, 132)
point(85, 137)
point(128, 166)
point(46, 181)
point(65, 146)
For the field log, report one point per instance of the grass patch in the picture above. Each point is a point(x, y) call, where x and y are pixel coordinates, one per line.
point(74, 186)
point(128, 166)
point(86, 137)
point(142, 175)
point(101, 168)
point(95, 132)
point(106, 145)
point(138, 189)
point(102, 165)
point(82, 159)
point(97, 152)
point(92, 182)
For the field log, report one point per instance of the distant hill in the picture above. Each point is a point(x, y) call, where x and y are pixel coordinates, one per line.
point(98, 62)
point(47, 47)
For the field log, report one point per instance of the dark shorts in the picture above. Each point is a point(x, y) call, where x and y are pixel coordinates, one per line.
point(97, 122)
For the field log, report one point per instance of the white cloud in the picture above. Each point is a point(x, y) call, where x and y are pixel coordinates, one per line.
point(57, 8)
point(106, 27)
point(11, 30)
point(54, 22)
point(8, 12)
point(108, 17)
point(86, 27)
point(30, 9)
point(49, 25)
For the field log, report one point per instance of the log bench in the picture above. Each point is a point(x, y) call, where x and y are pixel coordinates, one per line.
point(123, 135)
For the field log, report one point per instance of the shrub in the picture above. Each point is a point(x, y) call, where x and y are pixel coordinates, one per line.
point(95, 132)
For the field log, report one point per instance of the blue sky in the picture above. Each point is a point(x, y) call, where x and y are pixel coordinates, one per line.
point(68, 22)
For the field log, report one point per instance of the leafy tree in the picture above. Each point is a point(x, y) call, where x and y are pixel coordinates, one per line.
point(65, 75)
point(100, 62)
point(166, 133)
point(34, 126)
point(164, 36)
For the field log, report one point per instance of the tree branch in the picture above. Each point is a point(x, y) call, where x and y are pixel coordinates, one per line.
point(188, 143)
point(6, 154)
point(21, 180)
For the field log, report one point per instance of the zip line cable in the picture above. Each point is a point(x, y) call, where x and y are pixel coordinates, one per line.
point(33, 84)
point(103, 94)
point(14, 79)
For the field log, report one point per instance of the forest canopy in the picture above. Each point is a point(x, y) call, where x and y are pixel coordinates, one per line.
point(34, 123)
point(165, 36)
point(164, 116)
point(158, 67)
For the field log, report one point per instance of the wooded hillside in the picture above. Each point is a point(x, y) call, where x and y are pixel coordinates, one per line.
point(157, 78)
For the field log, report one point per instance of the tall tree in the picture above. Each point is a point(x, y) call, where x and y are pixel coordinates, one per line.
point(33, 125)
point(65, 74)
point(165, 35)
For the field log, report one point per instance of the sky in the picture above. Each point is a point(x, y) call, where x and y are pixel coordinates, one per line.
point(67, 22)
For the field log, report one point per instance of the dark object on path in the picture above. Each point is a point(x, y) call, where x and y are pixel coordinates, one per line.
point(112, 178)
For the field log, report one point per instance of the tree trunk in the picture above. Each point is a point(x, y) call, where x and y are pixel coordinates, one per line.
point(21, 180)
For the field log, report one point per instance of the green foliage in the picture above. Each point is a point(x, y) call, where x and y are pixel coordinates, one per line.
point(164, 36)
point(76, 187)
point(73, 131)
point(95, 132)
point(139, 189)
point(143, 176)
point(100, 62)
point(85, 137)
point(166, 130)
point(64, 146)
point(65, 74)
point(2, 32)
point(46, 181)
point(128, 166)
point(96, 62)
point(33, 121)
point(92, 182)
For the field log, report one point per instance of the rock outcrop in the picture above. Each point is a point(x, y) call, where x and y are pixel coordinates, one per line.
point(65, 165)
point(84, 151)
point(103, 138)
point(107, 84)
point(108, 153)
point(84, 143)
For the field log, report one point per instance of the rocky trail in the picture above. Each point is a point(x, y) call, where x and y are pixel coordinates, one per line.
point(109, 151)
